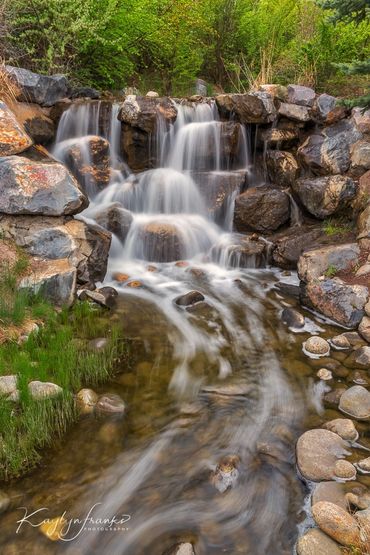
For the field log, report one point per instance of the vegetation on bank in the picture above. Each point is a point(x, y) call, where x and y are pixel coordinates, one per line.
point(59, 351)
point(165, 44)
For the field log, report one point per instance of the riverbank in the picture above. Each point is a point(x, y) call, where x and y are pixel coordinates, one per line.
point(46, 357)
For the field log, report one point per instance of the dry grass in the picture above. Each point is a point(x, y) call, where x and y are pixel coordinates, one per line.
point(9, 90)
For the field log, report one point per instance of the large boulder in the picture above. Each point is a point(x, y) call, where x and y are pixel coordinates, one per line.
point(330, 151)
point(342, 302)
point(315, 542)
point(218, 187)
point(39, 89)
point(13, 138)
point(29, 187)
point(54, 279)
point(324, 105)
point(36, 121)
point(88, 160)
point(143, 112)
point(360, 157)
point(362, 120)
point(294, 112)
point(85, 246)
point(114, 218)
point(363, 226)
point(317, 454)
point(314, 263)
point(325, 196)
point(282, 167)
point(291, 243)
point(255, 107)
point(261, 209)
point(304, 96)
point(161, 242)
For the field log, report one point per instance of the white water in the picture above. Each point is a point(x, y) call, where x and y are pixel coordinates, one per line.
point(171, 222)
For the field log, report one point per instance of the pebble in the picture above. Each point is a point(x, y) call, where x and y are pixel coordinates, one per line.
point(325, 374)
point(355, 401)
point(86, 400)
point(345, 470)
point(364, 465)
point(344, 427)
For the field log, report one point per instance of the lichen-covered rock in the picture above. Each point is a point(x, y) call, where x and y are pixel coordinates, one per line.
point(314, 263)
point(261, 209)
point(330, 150)
point(325, 196)
point(55, 280)
point(45, 188)
point(13, 138)
point(317, 454)
point(360, 157)
point(255, 107)
point(40, 89)
point(294, 112)
point(85, 246)
point(303, 96)
point(282, 167)
point(337, 523)
point(337, 300)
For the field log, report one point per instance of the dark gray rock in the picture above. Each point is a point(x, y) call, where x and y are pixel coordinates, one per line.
point(40, 89)
point(304, 96)
point(261, 209)
point(325, 196)
point(189, 298)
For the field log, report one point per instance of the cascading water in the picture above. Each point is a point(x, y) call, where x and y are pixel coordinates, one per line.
point(209, 381)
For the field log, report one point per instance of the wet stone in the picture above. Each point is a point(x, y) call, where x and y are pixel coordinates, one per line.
point(293, 318)
point(356, 402)
point(189, 298)
point(360, 358)
point(226, 474)
point(337, 523)
point(340, 342)
point(333, 397)
point(315, 542)
point(317, 454)
point(86, 400)
point(110, 403)
point(324, 374)
point(364, 465)
point(329, 491)
point(345, 470)
point(344, 427)
point(317, 346)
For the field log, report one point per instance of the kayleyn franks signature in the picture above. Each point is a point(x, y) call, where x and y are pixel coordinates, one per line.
point(66, 528)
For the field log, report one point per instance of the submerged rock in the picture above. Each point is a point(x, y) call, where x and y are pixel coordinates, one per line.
point(54, 528)
point(86, 400)
point(263, 208)
point(4, 502)
point(189, 298)
point(317, 453)
point(226, 474)
point(162, 242)
point(110, 403)
point(293, 318)
point(47, 189)
point(337, 523)
point(325, 374)
point(359, 358)
point(13, 138)
point(355, 402)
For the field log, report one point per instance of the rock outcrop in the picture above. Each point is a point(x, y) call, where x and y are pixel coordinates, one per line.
point(263, 209)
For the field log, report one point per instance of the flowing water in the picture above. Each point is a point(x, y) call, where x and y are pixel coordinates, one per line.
point(222, 380)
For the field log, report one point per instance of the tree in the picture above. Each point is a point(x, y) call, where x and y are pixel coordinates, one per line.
point(352, 11)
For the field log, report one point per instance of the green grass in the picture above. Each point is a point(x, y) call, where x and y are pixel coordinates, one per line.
point(337, 226)
point(59, 352)
point(331, 271)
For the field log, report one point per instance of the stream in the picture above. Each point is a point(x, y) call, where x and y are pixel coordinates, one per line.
point(221, 385)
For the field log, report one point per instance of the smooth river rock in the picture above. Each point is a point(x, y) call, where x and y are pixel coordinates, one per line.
point(344, 427)
point(315, 542)
point(293, 318)
point(110, 403)
point(355, 402)
point(337, 523)
point(317, 453)
point(317, 346)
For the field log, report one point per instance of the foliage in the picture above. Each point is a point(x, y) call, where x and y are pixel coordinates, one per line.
point(336, 226)
point(331, 271)
point(166, 44)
